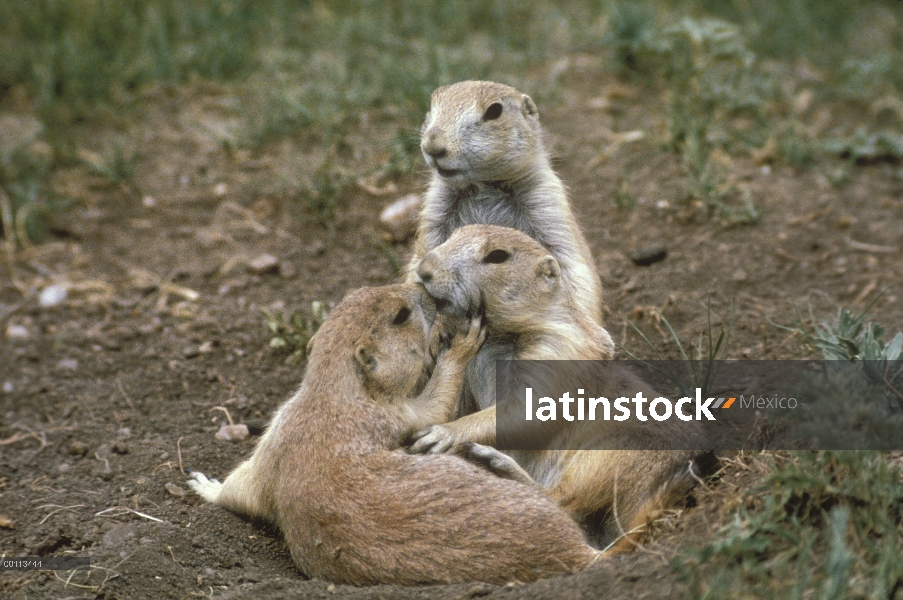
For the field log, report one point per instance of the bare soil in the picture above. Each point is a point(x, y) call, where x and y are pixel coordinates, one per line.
point(107, 397)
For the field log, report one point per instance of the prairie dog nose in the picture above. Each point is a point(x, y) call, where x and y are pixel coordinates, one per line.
point(427, 268)
point(434, 145)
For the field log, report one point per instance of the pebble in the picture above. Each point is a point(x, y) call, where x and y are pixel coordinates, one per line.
point(739, 275)
point(16, 331)
point(69, 364)
point(256, 426)
point(265, 264)
point(233, 433)
point(52, 295)
point(648, 256)
point(64, 468)
point(120, 447)
point(8, 387)
point(175, 490)
point(118, 535)
point(77, 448)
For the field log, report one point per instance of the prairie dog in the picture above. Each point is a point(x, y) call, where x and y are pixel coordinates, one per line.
point(520, 286)
point(483, 142)
point(357, 509)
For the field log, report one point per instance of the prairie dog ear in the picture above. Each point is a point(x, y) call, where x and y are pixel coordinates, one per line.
point(364, 356)
point(529, 107)
point(548, 268)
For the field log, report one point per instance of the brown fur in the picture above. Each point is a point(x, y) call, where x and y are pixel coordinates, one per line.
point(354, 507)
point(525, 303)
point(497, 171)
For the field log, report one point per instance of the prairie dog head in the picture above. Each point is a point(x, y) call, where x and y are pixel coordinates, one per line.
point(386, 333)
point(480, 131)
point(505, 272)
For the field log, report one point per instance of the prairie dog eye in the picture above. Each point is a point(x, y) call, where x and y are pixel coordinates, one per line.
point(493, 112)
point(402, 316)
point(496, 257)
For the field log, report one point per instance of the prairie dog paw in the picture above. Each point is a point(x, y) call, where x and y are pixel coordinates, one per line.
point(433, 440)
point(208, 489)
point(468, 339)
point(492, 460)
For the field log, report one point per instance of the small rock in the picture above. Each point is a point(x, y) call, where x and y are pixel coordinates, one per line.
point(265, 264)
point(120, 447)
point(400, 218)
point(52, 295)
point(318, 248)
point(220, 189)
point(77, 448)
point(648, 256)
point(69, 364)
point(16, 331)
point(64, 468)
point(845, 221)
point(149, 201)
point(6, 523)
point(8, 387)
point(175, 490)
point(256, 426)
point(739, 275)
point(125, 432)
point(233, 433)
point(191, 352)
point(118, 535)
point(206, 347)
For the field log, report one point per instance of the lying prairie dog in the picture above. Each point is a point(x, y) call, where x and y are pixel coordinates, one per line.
point(357, 509)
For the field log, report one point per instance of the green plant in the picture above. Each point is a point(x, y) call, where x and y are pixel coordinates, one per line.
point(820, 524)
point(701, 370)
point(27, 199)
point(850, 337)
point(631, 30)
point(711, 77)
point(322, 195)
point(294, 333)
point(623, 197)
point(115, 164)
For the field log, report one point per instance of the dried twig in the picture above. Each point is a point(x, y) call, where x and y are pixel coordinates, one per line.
point(225, 410)
point(123, 510)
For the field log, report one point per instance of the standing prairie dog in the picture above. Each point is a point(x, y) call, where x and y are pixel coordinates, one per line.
point(484, 144)
point(520, 286)
point(354, 507)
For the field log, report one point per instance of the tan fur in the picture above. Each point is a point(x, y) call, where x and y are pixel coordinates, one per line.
point(525, 303)
point(357, 509)
point(497, 171)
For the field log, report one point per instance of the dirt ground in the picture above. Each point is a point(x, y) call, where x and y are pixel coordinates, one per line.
point(107, 396)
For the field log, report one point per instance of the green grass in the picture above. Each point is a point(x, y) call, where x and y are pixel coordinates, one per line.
point(819, 525)
point(312, 68)
point(294, 333)
point(699, 360)
point(825, 524)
